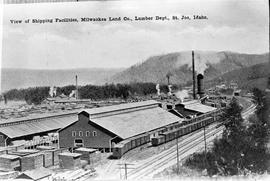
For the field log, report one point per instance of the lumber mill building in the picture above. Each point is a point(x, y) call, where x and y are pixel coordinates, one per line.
point(103, 127)
point(28, 127)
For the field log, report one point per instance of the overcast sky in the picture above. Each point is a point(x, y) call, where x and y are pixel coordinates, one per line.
point(232, 25)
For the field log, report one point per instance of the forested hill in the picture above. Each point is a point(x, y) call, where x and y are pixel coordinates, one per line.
point(213, 64)
point(248, 77)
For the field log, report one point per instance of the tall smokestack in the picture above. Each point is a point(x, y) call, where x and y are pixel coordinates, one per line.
point(193, 76)
point(76, 94)
point(200, 85)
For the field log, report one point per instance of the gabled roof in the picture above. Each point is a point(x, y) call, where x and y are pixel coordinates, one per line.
point(197, 106)
point(128, 120)
point(38, 125)
point(130, 124)
point(121, 107)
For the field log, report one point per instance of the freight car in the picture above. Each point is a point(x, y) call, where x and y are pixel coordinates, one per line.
point(168, 133)
point(124, 146)
point(173, 134)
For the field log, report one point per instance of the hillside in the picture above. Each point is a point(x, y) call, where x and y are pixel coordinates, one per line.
point(246, 78)
point(212, 64)
point(23, 78)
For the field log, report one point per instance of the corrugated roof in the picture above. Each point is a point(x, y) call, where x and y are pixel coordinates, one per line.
point(120, 107)
point(132, 123)
point(38, 126)
point(35, 117)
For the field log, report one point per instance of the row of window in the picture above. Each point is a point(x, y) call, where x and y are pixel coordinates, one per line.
point(87, 133)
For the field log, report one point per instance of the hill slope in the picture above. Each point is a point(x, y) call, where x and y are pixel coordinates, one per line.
point(212, 64)
point(246, 78)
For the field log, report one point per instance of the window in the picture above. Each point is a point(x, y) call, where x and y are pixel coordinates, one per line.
point(78, 142)
point(80, 133)
point(1, 137)
point(94, 133)
point(73, 133)
point(87, 133)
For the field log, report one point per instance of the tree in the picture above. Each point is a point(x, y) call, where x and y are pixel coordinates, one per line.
point(242, 149)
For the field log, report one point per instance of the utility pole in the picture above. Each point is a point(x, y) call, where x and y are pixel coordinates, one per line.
point(204, 146)
point(177, 156)
point(125, 168)
point(193, 76)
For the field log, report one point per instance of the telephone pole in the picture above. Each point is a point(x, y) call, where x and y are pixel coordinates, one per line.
point(177, 156)
point(125, 167)
point(204, 146)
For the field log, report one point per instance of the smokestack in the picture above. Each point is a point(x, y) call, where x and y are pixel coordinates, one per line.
point(193, 76)
point(200, 85)
point(76, 94)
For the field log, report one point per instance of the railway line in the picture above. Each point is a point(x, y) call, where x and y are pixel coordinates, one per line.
point(166, 159)
point(152, 166)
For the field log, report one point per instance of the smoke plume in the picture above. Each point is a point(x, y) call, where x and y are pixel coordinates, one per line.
point(181, 94)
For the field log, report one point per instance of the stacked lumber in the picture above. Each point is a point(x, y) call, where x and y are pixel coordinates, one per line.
point(32, 161)
point(69, 160)
point(86, 153)
point(9, 162)
point(48, 155)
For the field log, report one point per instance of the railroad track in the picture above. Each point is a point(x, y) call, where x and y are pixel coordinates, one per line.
point(152, 170)
point(128, 156)
point(150, 167)
point(156, 162)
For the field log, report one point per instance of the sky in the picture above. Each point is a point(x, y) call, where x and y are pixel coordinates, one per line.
point(232, 25)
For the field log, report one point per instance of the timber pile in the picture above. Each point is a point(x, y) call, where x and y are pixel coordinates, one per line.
point(9, 162)
point(69, 160)
point(48, 155)
point(86, 154)
point(32, 161)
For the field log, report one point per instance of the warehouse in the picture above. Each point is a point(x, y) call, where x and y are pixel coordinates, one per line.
point(102, 127)
point(28, 127)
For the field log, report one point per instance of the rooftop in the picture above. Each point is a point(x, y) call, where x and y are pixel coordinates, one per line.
point(70, 154)
point(86, 149)
point(11, 157)
point(197, 106)
point(37, 126)
point(129, 120)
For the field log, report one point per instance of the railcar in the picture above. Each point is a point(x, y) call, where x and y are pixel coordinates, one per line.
point(176, 133)
point(126, 145)
point(167, 134)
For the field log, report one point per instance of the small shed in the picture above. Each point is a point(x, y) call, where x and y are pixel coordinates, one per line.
point(37, 174)
point(32, 161)
point(86, 154)
point(69, 160)
point(9, 162)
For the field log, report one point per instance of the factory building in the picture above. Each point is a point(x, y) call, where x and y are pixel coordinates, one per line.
point(103, 127)
point(28, 127)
